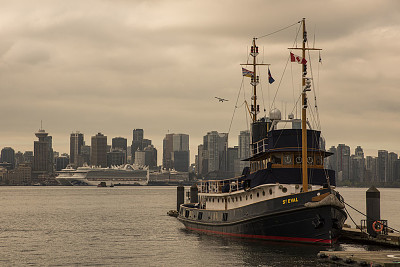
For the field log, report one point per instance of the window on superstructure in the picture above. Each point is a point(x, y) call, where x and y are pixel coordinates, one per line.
point(276, 159)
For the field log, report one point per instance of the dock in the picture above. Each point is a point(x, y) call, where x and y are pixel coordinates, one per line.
point(361, 258)
point(358, 236)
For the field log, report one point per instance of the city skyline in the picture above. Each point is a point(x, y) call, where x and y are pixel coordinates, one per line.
point(158, 66)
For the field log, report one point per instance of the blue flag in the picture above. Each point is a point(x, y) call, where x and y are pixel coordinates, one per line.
point(270, 79)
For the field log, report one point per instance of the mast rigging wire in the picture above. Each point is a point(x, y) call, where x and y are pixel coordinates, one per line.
point(278, 30)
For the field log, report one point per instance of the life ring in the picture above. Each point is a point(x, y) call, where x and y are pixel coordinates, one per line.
point(378, 224)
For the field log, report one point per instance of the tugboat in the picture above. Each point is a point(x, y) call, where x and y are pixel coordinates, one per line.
point(286, 194)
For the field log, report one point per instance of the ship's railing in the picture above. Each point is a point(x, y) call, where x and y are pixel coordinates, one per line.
point(221, 186)
point(260, 146)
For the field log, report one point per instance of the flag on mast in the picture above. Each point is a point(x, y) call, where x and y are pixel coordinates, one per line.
point(247, 73)
point(270, 79)
point(298, 59)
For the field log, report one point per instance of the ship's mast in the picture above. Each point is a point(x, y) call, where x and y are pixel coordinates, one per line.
point(255, 80)
point(304, 113)
point(306, 86)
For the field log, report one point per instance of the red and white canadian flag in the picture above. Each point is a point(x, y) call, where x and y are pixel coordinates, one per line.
point(298, 59)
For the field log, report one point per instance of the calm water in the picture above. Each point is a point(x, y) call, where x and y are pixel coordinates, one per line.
point(126, 226)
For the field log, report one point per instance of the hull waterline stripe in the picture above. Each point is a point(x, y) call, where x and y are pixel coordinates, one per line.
point(281, 238)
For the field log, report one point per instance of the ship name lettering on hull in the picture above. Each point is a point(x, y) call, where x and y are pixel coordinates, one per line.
point(289, 200)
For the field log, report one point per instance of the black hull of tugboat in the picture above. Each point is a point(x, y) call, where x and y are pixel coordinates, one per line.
point(317, 225)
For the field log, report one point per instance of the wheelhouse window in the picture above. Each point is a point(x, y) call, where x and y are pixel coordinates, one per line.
point(276, 159)
point(287, 159)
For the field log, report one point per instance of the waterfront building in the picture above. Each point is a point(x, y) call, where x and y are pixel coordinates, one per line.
point(8, 155)
point(75, 148)
point(99, 150)
point(120, 144)
point(21, 175)
point(43, 156)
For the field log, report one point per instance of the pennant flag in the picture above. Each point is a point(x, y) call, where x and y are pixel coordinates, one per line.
point(247, 73)
point(298, 59)
point(270, 79)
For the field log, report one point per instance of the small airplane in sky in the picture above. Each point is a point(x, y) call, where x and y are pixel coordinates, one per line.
point(221, 99)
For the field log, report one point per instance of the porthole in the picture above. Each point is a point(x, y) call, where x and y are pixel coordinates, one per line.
point(246, 197)
point(270, 191)
point(236, 199)
point(218, 200)
point(258, 194)
point(263, 193)
point(213, 199)
point(233, 199)
point(284, 190)
point(240, 198)
point(251, 196)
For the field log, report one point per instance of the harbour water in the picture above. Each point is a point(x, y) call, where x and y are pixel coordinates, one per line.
point(128, 226)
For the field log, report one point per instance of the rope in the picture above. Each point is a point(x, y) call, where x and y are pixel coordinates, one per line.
point(234, 110)
point(367, 216)
point(278, 30)
point(280, 81)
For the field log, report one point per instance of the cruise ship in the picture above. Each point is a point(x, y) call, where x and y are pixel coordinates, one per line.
point(121, 175)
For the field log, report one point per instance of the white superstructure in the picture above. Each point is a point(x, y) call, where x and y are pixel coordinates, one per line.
point(121, 175)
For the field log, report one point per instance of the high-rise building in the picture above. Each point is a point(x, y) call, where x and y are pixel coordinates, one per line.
point(42, 160)
point(99, 150)
point(75, 148)
point(120, 144)
point(176, 152)
point(232, 161)
point(243, 150)
point(61, 163)
point(8, 155)
point(137, 142)
point(382, 165)
point(28, 157)
point(147, 157)
point(343, 162)
point(331, 161)
point(396, 171)
point(392, 158)
point(214, 152)
point(167, 151)
point(357, 170)
point(115, 158)
point(370, 169)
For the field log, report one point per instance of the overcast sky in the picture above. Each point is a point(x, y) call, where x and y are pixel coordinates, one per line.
point(113, 66)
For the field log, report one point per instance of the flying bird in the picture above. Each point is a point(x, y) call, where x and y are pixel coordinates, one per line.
point(221, 99)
